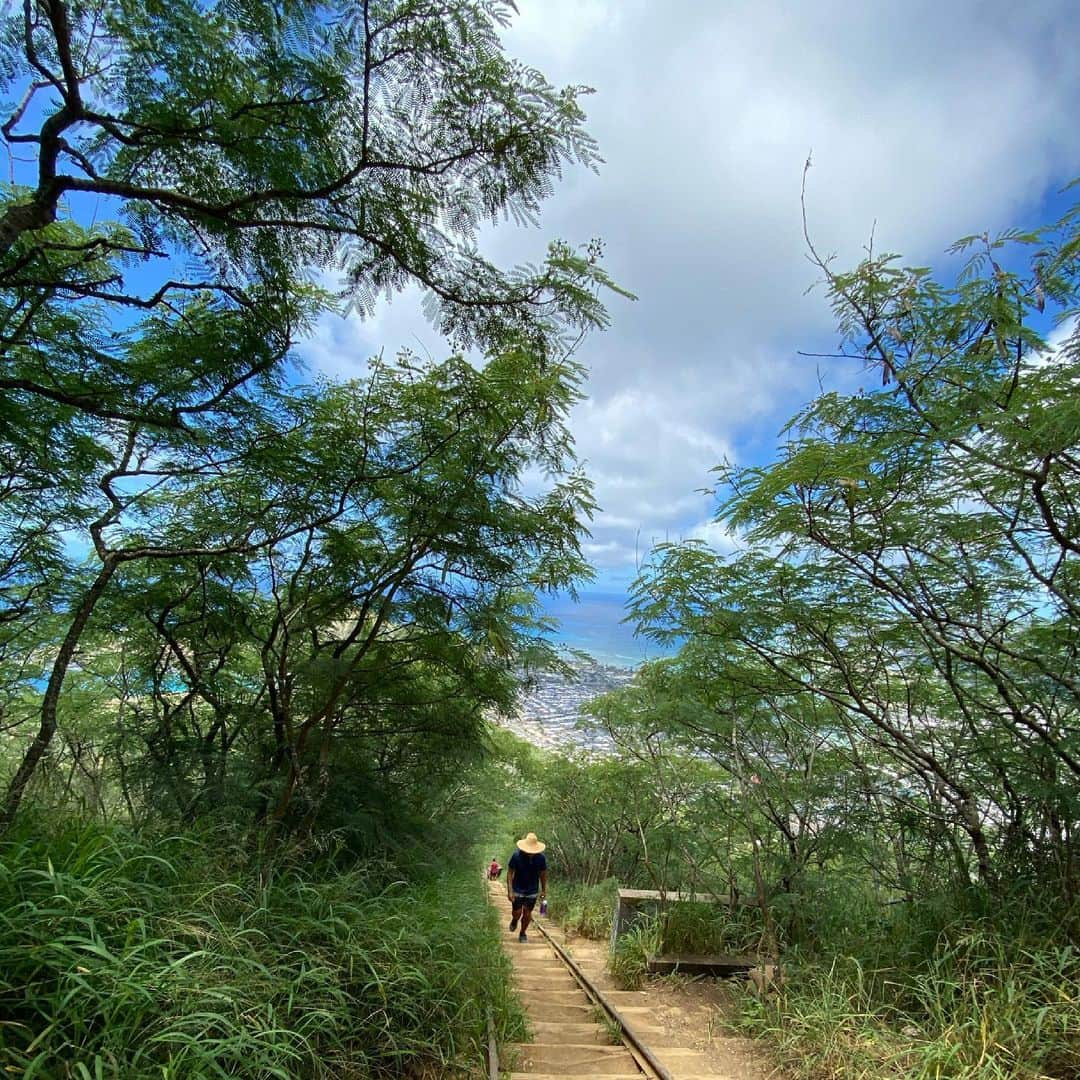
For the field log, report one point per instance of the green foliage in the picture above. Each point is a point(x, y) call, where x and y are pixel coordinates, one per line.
point(363, 651)
point(983, 1005)
point(881, 686)
point(264, 551)
point(163, 956)
point(231, 600)
point(628, 962)
point(999, 1008)
point(709, 929)
point(612, 1028)
point(262, 141)
point(618, 815)
point(887, 673)
point(824, 1026)
point(583, 909)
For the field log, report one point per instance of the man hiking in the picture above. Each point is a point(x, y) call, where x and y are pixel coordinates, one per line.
point(526, 879)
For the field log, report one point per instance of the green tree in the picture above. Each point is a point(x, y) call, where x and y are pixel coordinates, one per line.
point(194, 167)
point(907, 595)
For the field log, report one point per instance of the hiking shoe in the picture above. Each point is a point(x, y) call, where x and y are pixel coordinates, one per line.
point(522, 937)
point(513, 923)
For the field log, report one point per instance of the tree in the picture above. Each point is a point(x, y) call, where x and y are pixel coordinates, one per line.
point(386, 632)
point(146, 361)
point(910, 573)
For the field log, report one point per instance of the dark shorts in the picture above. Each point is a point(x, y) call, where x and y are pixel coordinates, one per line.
point(527, 902)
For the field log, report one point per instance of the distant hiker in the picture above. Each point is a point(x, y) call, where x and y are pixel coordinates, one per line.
point(494, 870)
point(526, 879)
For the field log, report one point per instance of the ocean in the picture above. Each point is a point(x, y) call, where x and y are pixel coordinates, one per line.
point(549, 708)
point(594, 625)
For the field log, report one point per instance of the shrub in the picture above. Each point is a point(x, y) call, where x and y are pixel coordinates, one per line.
point(710, 929)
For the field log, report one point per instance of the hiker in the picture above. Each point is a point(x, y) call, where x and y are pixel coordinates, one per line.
point(494, 870)
point(526, 880)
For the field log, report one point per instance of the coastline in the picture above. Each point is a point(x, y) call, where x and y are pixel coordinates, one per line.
point(549, 711)
point(605, 651)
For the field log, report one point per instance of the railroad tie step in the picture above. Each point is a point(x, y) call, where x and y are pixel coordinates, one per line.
point(676, 1075)
point(638, 1014)
point(629, 999)
point(528, 974)
point(597, 972)
point(685, 1063)
point(577, 1076)
point(570, 1059)
point(564, 978)
point(559, 997)
point(655, 1037)
point(546, 1031)
point(531, 988)
point(530, 983)
point(694, 1076)
point(545, 1013)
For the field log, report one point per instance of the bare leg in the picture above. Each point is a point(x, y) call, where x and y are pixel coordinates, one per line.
point(526, 917)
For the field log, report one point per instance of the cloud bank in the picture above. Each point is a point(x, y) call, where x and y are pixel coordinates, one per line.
point(926, 121)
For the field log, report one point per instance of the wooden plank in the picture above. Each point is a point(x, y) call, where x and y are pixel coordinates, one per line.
point(493, 1048)
point(691, 964)
point(635, 895)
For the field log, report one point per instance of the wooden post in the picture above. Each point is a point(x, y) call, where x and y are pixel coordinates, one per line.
point(616, 921)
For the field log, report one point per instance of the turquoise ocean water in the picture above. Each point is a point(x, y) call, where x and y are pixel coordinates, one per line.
point(594, 624)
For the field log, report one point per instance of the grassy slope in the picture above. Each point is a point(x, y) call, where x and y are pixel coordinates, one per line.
point(129, 956)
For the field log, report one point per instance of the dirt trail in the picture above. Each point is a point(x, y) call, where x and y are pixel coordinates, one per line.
point(676, 1020)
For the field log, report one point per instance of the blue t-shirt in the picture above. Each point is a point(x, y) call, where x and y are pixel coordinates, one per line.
point(527, 870)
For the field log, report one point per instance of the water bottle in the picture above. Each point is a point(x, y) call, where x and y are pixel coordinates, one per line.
point(543, 906)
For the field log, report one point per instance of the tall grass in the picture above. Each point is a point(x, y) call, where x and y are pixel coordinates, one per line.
point(986, 1004)
point(584, 909)
point(628, 962)
point(711, 929)
point(124, 956)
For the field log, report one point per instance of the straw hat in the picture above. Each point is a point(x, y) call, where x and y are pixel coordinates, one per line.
point(530, 845)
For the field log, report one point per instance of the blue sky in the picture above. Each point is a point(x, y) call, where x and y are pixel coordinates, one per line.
point(926, 121)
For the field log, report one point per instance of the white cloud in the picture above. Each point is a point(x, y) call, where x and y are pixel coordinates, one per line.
point(931, 120)
point(1054, 341)
point(717, 536)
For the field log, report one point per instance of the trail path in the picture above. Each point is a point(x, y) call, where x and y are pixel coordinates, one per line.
point(570, 1039)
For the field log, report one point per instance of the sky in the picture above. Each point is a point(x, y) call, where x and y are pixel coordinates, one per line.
point(925, 121)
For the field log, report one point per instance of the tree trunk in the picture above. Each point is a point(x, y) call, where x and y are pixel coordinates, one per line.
point(47, 728)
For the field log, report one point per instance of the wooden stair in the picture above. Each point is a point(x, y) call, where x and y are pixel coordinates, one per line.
point(568, 1039)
